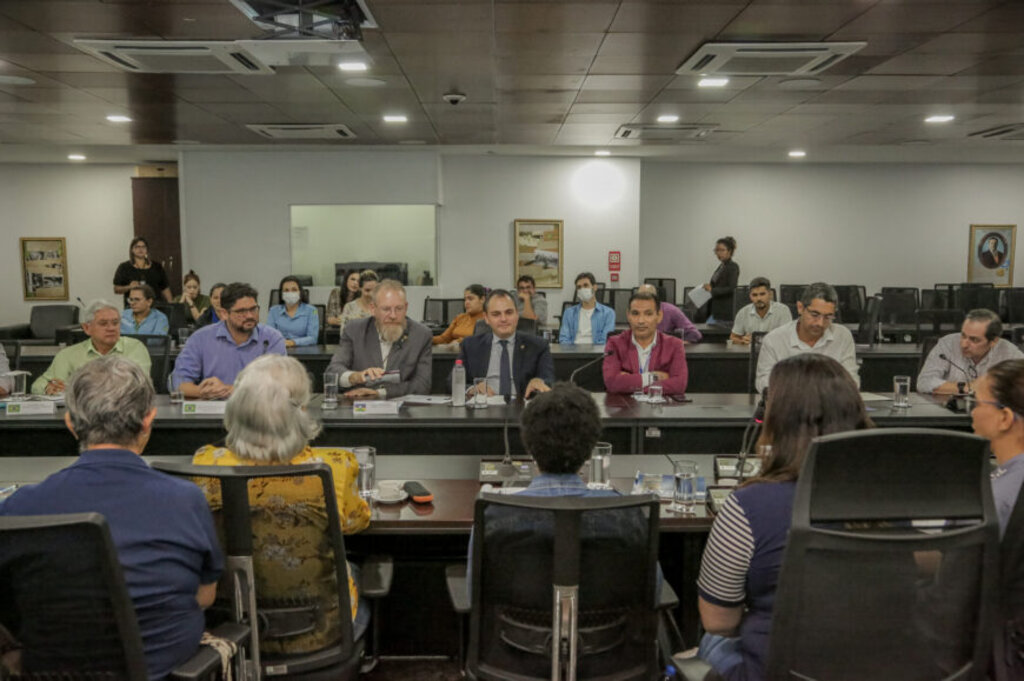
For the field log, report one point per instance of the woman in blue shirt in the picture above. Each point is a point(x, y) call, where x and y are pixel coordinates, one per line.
point(140, 318)
point(297, 321)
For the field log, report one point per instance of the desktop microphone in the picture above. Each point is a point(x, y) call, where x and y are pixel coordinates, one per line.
point(572, 376)
point(80, 302)
point(506, 469)
point(751, 432)
point(955, 366)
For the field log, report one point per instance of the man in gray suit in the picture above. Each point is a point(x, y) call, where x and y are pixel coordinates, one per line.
point(386, 355)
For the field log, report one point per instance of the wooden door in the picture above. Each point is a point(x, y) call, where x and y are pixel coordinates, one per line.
point(155, 208)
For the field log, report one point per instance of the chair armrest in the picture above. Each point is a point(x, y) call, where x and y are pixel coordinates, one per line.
point(15, 331)
point(458, 591)
point(667, 599)
point(376, 576)
point(205, 664)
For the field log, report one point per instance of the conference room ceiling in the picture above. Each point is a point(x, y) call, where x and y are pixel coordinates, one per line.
point(539, 77)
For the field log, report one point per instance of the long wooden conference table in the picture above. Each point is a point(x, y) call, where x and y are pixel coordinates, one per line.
point(713, 367)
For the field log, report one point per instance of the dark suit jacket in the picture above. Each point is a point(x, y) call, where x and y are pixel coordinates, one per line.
point(359, 349)
point(991, 260)
point(531, 358)
point(723, 285)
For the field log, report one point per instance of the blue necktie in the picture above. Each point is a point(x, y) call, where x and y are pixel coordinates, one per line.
point(505, 372)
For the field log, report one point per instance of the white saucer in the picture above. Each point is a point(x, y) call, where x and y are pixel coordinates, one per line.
point(402, 496)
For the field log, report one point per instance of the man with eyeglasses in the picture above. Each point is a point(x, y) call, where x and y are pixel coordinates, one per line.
point(386, 355)
point(213, 356)
point(102, 325)
point(960, 359)
point(811, 331)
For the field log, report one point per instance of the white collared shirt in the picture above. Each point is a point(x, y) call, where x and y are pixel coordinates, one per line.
point(643, 356)
point(836, 342)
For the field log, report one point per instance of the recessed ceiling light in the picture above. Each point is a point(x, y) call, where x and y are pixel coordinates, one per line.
point(797, 153)
point(353, 66)
point(712, 82)
point(395, 118)
point(76, 157)
point(365, 82)
point(118, 118)
point(16, 80)
point(602, 152)
point(940, 118)
point(668, 118)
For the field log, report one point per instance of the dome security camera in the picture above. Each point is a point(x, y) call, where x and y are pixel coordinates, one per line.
point(454, 98)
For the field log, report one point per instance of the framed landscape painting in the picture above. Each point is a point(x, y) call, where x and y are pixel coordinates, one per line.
point(44, 268)
point(990, 254)
point(538, 251)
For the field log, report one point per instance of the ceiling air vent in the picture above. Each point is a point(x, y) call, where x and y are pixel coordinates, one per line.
point(681, 132)
point(1013, 132)
point(175, 56)
point(299, 131)
point(766, 59)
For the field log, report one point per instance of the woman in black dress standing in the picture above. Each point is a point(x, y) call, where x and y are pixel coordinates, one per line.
point(723, 281)
point(139, 269)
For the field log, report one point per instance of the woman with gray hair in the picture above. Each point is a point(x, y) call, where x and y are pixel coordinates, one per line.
point(268, 424)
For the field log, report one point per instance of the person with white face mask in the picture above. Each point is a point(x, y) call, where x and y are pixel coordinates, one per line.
point(297, 321)
point(589, 321)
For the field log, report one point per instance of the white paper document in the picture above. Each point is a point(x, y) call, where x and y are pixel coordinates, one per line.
point(699, 296)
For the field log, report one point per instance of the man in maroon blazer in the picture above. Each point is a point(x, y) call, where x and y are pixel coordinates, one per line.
point(643, 356)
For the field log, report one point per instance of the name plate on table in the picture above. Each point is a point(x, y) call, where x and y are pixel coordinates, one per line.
point(370, 407)
point(31, 408)
point(203, 407)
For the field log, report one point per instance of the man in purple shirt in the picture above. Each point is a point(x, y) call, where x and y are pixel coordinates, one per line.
point(213, 356)
point(673, 319)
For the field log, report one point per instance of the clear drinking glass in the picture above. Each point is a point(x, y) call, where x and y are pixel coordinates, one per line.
point(901, 392)
point(173, 391)
point(367, 458)
point(685, 491)
point(479, 393)
point(330, 390)
point(600, 464)
point(656, 394)
point(183, 335)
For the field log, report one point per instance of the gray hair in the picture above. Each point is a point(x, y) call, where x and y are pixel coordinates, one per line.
point(995, 325)
point(98, 306)
point(388, 285)
point(819, 290)
point(266, 415)
point(107, 400)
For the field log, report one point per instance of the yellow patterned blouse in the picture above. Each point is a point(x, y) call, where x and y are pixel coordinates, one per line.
point(292, 555)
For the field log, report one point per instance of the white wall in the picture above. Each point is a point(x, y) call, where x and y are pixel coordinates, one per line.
point(598, 199)
point(236, 205)
point(877, 225)
point(91, 206)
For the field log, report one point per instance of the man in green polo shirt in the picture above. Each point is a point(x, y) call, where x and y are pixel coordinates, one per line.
point(102, 323)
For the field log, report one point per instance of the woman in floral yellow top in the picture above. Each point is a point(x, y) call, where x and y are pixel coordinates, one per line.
point(268, 424)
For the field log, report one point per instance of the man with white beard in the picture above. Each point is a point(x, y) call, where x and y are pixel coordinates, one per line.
point(386, 355)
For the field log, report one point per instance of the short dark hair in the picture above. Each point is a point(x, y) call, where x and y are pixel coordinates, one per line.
point(995, 325)
point(477, 290)
point(527, 278)
point(819, 289)
point(585, 275)
point(645, 295)
point(559, 428)
point(146, 289)
point(285, 280)
point(219, 284)
point(728, 242)
point(498, 293)
point(234, 292)
point(758, 282)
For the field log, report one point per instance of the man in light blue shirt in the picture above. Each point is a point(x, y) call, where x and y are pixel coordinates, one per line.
point(213, 356)
point(140, 318)
point(589, 321)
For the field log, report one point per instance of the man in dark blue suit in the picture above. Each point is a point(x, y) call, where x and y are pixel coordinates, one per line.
point(514, 363)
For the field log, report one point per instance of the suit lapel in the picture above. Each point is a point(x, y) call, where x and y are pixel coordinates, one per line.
point(484, 359)
point(517, 363)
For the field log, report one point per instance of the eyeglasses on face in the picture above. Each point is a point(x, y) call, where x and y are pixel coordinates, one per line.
point(242, 312)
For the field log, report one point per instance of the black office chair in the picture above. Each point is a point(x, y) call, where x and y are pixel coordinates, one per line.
point(973, 297)
point(939, 322)
point(178, 316)
point(928, 344)
point(899, 306)
point(852, 300)
point(12, 349)
point(527, 326)
point(618, 300)
point(589, 376)
point(321, 315)
point(947, 296)
point(864, 593)
point(44, 322)
point(566, 304)
point(64, 599)
point(687, 306)
point(1014, 305)
point(592, 560)
point(453, 307)
point(867, 330)
point(160, 355)
point(756, 341)
point(433, 311)
point(666, 288)
point(305, 629)
point(740, 299)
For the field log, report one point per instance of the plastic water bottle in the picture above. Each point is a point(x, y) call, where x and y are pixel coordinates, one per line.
point(459, 384)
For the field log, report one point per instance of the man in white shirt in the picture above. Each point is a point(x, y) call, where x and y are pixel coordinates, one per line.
point(812, 331)
point(762, 314)
point(959, 359)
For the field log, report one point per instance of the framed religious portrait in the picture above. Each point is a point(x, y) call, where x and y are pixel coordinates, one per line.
point(990, 254)
point(538, 251)
point(44, 268)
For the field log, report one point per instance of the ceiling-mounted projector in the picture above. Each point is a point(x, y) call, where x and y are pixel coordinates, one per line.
point(320, 19)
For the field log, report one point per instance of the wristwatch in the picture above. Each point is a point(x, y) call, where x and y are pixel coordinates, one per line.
point(961, 388)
